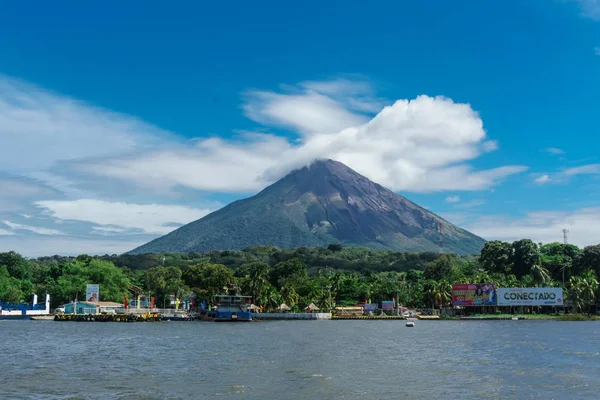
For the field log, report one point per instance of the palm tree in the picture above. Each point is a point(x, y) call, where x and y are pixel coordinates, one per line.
point(289, 295)
point(444, 293)
point(258, 275)
point(582, 290)
point(539, 274)
point(272, 298)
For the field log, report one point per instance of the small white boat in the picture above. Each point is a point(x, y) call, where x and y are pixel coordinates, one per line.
point(410, 324)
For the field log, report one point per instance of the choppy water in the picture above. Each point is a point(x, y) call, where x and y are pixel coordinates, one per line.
point(300, 360)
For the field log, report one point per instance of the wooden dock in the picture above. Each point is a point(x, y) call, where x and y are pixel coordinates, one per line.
point(368, 317)
point(149, 317)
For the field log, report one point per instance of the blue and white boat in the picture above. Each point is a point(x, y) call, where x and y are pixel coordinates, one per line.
point(25, 311)
point(232, 307)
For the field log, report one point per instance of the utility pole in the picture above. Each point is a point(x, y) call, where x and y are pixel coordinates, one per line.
point(565, 241)
point(440, 224)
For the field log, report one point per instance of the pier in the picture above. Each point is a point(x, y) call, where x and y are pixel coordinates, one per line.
point(149, 317)
point(369, 317)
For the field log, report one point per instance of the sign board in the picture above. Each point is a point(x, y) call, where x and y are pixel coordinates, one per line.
point(530, 297)
point(92, 292)
point(370, 307)
point(474, 294)
point(387, 305)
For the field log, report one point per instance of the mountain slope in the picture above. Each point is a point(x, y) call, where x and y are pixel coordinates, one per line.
point(324, 203)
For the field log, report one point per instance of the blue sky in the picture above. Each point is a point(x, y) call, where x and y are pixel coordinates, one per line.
point(120, 122)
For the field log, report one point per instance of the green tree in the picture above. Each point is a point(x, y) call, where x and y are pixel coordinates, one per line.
point(582, 290)
point(335, 247)
point(258, 274)
point(208, 279)
point(289, 294)
point(70, 285)
point(291, 271)
point(15, 264)
point(558, 259)
point(497, 257)
point(112, 280)
point(442, 268)
point(539, 275)
point(526, 254)
point(589, 259)
point(163, 282)
point(10, 287)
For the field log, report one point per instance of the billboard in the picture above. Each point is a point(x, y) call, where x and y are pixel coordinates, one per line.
point(530, 297)
point(387, 305)
point(474, 294)
point(92, 292)
point(371, 307)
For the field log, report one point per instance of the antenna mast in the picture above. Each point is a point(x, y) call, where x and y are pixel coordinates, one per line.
point(565, 238)
point(440, 225)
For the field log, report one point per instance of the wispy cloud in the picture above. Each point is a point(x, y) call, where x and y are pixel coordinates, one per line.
point(590, 9)
point(34, 229)
point(554, 150)
point(419, 145)
point(80, 154)
point(589, 169)
point(471, 204)
point(4, 232)
point(541, 226)
point(566, 174)
point(118, 216)
point(453, 199)
point(37, 246)
point(597, 50)
point(53, 127)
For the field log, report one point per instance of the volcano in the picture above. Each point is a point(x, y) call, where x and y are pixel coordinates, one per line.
point(326, 202)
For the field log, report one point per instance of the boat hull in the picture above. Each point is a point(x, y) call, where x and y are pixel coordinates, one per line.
point(15, 317)
point(228, 316)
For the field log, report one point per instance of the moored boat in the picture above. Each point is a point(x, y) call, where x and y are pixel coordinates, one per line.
point(24, 311)
point(231, 307)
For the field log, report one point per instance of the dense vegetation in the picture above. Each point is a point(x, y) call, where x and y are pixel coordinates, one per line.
point(325, 276)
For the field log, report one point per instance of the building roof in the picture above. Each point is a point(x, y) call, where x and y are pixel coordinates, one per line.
point(102, 303)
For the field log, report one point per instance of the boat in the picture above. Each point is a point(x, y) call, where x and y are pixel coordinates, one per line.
point(24, 311)
point(231, 307)
point(410, 324)
point(42, 318)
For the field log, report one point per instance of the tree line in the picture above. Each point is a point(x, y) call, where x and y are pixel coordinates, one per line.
point(328, 277)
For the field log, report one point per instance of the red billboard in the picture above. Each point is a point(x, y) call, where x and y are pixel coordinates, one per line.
point(474, 294)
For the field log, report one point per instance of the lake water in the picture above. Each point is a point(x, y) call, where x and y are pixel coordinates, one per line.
point(300, 360)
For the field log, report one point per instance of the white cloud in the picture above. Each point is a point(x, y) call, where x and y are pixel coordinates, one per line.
point(590, 9)
point(542, 226)
point(457, 218)
point(308, 112)
point(51, 127)
point(419, 145)
point(472, 203)
point(4, 232)
point(453, 199)
point(34, 229)
point(38, 246)
point(149, 218)
point(554, 150)
point(589, 169)
point(566, 174)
